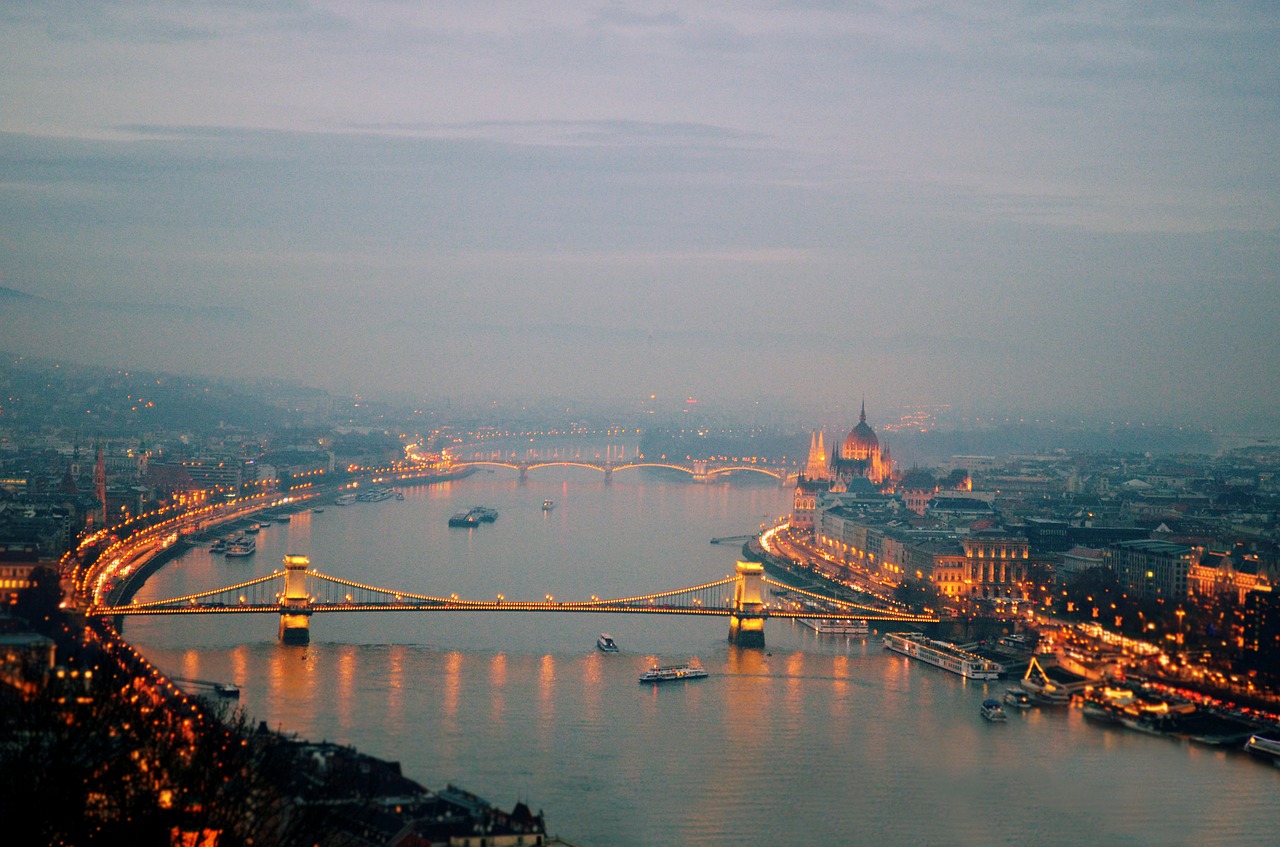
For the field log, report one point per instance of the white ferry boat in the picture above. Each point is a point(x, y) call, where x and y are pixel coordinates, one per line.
point(837, 626)
point(942, 654)
point(606, 644)
point(672, 673)
point(241, 547)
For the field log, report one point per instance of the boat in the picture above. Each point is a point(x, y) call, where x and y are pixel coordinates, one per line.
point(837, 626)
point(375, 495)
point(606, 644)
point(1017, 698)
point(1267, 748)
point(318, 510)
point(1051, 685)
point(548, 505)
point(344, 499)
point(464, 519)
point(226, 689)
point(218, 546)
point(993, 711)
point(253, 529)
point(672, 673)
point(942, 654)
point(488, 514)
point(242, 547)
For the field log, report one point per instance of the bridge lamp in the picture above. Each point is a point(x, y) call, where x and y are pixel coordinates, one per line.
point(453, 596)
point(549, 598)
point(501, 598)
point(243, 600)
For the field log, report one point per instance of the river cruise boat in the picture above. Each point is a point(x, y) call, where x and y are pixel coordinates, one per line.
point(672, 673)
point(487, 514)
point(218, 546)
point(993, 711)
point(606, 644)
point(837, 626)
point(344, 499)
point(241, 547)
point(942, 654)
point(467, 519)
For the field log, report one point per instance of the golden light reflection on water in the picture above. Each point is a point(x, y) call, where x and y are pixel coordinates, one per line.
point(191, 664)
point(346, 685)
point(240, 665)
point(547, 686)
point(840, 686)
point(497, 685)
point(452, 683)
point(795, 680)
point(592, 685)
point(292, 680)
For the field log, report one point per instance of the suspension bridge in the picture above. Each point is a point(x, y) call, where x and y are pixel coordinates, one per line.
point(297, 592)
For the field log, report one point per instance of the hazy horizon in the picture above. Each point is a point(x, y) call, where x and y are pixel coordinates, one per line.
point(1072, 211)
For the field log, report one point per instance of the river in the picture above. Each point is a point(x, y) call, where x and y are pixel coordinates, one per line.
point(816, 740)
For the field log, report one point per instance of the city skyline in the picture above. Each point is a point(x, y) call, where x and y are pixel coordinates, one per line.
point(1064, 211)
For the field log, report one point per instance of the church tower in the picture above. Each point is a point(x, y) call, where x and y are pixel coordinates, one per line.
point(816, 468)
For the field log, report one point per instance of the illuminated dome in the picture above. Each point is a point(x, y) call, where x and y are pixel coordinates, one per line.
point(861, 440)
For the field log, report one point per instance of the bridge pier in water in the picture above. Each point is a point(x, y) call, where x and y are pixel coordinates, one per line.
point(295, 605)
point(746, 624)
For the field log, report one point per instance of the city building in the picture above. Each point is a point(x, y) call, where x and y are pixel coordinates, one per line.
point(860, 455)
point(1151, 569)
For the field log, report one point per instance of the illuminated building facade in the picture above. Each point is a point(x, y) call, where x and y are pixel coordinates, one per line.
point(811, 484)
point(860, 455)
point(998, 565)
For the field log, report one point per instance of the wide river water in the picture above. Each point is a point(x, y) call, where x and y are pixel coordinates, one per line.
point(819, 740)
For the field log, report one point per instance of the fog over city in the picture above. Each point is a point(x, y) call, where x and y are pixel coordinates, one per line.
point(1053, 209)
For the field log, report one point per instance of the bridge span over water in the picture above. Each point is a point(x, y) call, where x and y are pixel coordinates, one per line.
point(297, 592)
point(701, 470)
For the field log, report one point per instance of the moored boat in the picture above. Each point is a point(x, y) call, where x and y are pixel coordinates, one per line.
point(606, 644)
point(993, 711)
point(837, 626)
point(241, 547)
point(488, 514)
point(672, 673)
point(218, 546)
point(464, 519)
point(942, 654)
point(344, 499)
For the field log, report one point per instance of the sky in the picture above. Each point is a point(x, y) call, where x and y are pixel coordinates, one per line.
point(1043, 208)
